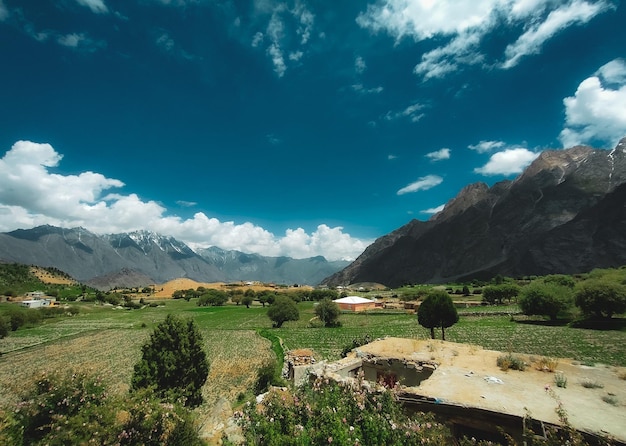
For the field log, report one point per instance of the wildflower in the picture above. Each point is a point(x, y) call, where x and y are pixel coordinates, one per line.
point(330, 439)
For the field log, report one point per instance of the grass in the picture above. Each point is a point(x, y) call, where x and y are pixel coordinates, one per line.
point(109, 340)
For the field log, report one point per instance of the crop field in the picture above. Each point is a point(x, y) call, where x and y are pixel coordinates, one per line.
point(108, 341)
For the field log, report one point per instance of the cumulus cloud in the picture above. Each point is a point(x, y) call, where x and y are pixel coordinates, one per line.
point(442, 154)
point(360, 88)
point(96, 6)
point(424, 183)
point(597, 111)
point(95, 202)
point(460, 27)
point(486, 146)
point(507, 162)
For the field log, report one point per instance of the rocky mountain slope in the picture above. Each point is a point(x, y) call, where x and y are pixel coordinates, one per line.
point(141, 258)
point(566, 213)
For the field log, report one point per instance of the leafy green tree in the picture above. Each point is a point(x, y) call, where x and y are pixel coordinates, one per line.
point(213, 297)
point(601, 298)
point(266, 297)
point(328, 312)
point(173, 362)
point(437, 310)
point(545, 299)
point(495, 294)
point(282, 310)
point(247, 300)
point(560, 279)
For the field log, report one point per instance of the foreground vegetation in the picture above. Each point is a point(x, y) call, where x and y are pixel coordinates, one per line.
point(240, 339)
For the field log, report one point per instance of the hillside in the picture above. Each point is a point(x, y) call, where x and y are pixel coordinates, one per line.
point(141, 258)
point(566, 213)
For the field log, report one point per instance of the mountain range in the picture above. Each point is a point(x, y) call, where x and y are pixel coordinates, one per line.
point(142, 258)
point(565, 213)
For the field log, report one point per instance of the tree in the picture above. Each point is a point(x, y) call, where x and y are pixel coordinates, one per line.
point(601, 298)
point(282, 310)
point(437, 310)
point(247, 300)
point(173, 362)
point(496, 294)
point(545, 299)
point(328, 312)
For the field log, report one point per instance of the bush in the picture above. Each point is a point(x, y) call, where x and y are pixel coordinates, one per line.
point(545, 299)
point(356, 342)
point(601, 298)
point(75, 408)
point(510, 361)
point(329, 413)
point(173, 362)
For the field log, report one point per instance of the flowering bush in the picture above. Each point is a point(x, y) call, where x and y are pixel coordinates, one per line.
point(76, 409)
point(325, 412)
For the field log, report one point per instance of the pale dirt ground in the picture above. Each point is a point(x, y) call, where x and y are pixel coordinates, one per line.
point(47, 277)
point(165, 290)
point(460, 378)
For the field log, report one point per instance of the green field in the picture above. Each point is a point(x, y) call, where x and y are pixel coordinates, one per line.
point(108, 340)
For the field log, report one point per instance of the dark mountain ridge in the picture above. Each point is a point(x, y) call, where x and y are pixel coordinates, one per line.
point(143, 257)
point(564, 214)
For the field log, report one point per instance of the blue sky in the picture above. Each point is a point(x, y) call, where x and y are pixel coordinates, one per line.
point(295, 128)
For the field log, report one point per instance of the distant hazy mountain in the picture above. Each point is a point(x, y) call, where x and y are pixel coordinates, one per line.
point(143, 257)
point(566, 213)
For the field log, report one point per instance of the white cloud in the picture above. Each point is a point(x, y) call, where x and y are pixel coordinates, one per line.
point(359, 88)
point(424, 183)
point(597, 111)
point(459, 27)
point(577, 12)
point(4, 12)
point(359, 64)
point(411, 112)
point(433, 210)
point(71, 40)
point(96, 6)
point(391, 157)
point(32, 194)
point(507, 162)
point(442, 154)
point(257, 39)
point(296, 56)
point(284, 27)
point(486, 146)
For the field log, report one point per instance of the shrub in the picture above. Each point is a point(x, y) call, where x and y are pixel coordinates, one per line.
point(325, 412)
point(356, 342)
point(591, 384)
point(510, 361)
point(560, 380)
point(545, 299)
point(547, 364)
point(601, 298)
point(75, 408)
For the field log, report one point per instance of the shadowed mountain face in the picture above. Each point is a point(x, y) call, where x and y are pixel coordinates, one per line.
point(566, 213)
point(141, 258)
